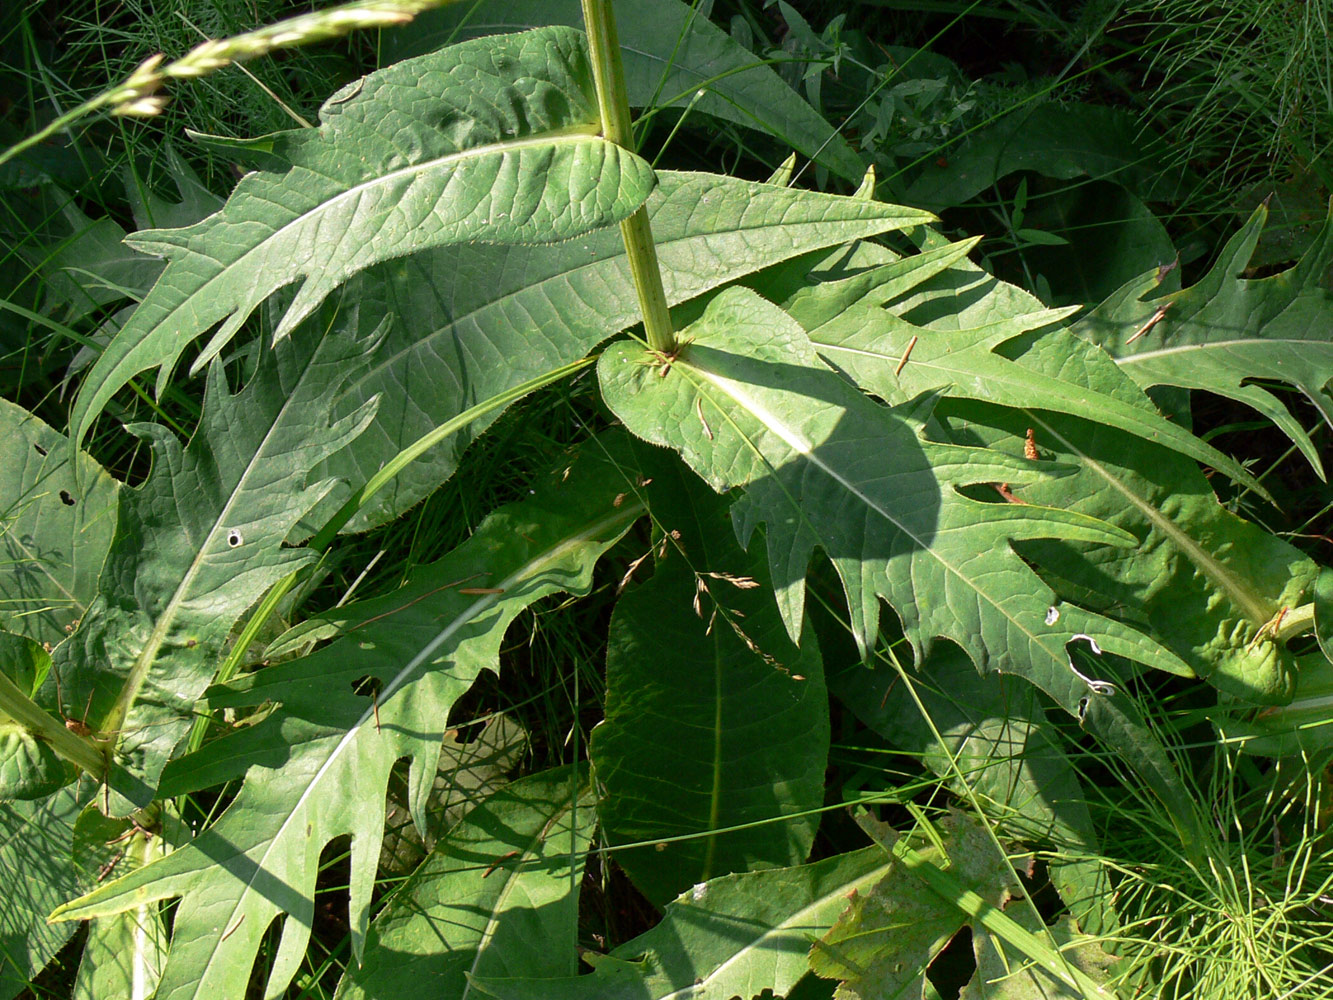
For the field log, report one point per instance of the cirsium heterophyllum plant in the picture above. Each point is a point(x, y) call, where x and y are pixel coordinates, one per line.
point(461, 229)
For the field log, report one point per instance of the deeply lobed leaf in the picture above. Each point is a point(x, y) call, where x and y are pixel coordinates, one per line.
point(197, 545)
point(748, 403)
point(318, 765)
point(489, 140)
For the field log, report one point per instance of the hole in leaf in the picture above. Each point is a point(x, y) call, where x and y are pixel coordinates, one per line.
point(367, 686)
point(234, 538)
point(954, 966)
point(67, 498)
point(40, 450)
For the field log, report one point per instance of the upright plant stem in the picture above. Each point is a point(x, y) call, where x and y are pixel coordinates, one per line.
point(609, 75)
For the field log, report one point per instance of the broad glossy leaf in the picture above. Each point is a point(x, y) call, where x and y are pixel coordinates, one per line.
point(734, 936)
point(1227, 330)
point(1007, 752)
point(493, 140)
point(671, 53)
point(497, 897)
point(197, 545)
point(743, 739)
point(1204, 580)
point(748, 403)
point(35, 841)
point(471, 322)
point(55, 527)
point(319, 763)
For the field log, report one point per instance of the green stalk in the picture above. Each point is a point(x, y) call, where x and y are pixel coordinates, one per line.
point(28, 714)
point(609, 76)
point(995, 920)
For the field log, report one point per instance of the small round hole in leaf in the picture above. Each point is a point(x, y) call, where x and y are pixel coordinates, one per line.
point(234, 538)
point(67, 498)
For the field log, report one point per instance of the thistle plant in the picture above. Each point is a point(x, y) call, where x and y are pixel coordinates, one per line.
point(987, 495)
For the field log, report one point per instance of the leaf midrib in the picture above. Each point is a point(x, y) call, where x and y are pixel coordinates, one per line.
point(628, 512)
point(1200, 557)
point(565, 136)
point(735, 391)
point(1212, 345)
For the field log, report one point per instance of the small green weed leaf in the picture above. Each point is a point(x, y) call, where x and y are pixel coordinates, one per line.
point(1203, 579)
point(198, 544)
point(883, 942)
point(472, 322)
point(1003, 975)
point(35, 842)
point(29, 767)
point(734, 936)
point(701, 644)
point(671, 52)
point(55, 527)
point(493, 140)
point(1227, 330)
point(497, 897)
point(1006, 750)
point(320, 761)
point(748, 403)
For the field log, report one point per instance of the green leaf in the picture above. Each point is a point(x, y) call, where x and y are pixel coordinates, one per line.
point(1203, 580)
point(124, 954)
point(55, 529)
point(1228, 330)
point(748, 403)
point(471, 767)
point(472, 322)
point(198, 544)
point(319, 762)
point(1110, 236)
point(35, 842)
point(671, 52)
point(745, 736)
point(734, 936)
point(1054, 140)
point(1002, 976)
point(1110, 714)
point(880, 947)
point(497, 897)
point(1302, 726)
point(869, 341)
point(493, 140)
point(30, 768)
point(1006, 750)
